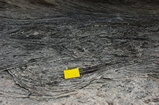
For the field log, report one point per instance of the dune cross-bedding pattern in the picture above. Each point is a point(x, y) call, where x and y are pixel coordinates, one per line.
point(112, 42)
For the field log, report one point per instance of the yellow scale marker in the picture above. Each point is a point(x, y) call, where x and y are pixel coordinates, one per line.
point(71, 73)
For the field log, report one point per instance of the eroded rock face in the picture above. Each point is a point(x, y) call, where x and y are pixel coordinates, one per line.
point(114, 43)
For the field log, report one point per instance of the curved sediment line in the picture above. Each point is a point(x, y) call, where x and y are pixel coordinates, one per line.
point(94, 36)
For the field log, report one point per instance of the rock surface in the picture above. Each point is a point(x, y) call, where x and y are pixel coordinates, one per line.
point(114, 43)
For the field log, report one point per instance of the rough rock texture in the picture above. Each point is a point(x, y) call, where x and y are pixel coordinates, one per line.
point(114, 43)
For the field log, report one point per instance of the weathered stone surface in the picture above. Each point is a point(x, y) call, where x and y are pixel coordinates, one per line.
point(114, 43)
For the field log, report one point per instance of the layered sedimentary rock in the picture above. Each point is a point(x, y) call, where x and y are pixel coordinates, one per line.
point(114, 43)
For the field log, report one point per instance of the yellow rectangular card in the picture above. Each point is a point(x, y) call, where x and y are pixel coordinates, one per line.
point(71, 73)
